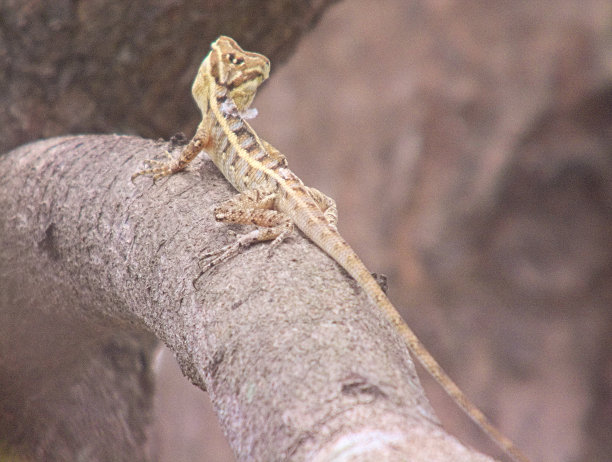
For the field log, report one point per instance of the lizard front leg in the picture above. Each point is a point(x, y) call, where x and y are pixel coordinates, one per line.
point(254, 207)
point(160, 168)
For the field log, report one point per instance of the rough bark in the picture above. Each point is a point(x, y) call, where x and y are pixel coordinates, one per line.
point(298, 364)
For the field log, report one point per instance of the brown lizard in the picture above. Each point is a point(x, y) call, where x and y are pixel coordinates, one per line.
point(272, 197)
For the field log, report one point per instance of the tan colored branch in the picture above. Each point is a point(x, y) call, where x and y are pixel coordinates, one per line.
point(298, 364)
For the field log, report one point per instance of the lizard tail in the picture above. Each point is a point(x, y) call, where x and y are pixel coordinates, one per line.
point(449, 386)
point(340, 250)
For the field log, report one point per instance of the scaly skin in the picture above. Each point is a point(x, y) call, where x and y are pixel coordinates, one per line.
point(275, 199)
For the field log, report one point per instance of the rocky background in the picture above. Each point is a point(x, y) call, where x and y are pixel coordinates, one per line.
point(469, 147)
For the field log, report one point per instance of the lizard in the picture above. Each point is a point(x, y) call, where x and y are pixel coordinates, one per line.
point(274, 199)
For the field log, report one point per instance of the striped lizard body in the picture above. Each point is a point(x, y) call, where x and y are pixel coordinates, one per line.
point(272, 197)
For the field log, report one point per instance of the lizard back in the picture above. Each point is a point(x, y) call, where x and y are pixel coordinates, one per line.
point(224, 89)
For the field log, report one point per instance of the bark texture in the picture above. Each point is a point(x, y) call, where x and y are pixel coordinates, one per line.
point(298, 364)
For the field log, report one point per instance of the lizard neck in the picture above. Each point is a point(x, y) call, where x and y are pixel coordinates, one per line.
point(236, 149)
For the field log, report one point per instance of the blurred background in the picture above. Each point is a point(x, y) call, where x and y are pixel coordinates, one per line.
point(468, 145)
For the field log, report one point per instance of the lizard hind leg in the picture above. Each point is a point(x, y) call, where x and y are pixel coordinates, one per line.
point(326, 204)
point(253, 207)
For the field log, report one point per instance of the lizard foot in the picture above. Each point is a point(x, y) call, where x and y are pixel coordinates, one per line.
point(381, 279)
point(159, 168)
point(278, 240)
point(243, 241)
point(229, 251)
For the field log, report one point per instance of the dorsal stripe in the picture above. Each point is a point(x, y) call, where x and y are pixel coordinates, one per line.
point(224, 121)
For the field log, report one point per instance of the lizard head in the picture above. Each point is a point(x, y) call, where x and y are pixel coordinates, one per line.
point(241, 72)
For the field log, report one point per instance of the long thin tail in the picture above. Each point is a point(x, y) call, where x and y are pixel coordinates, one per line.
point(449, 386)
point(339, 249)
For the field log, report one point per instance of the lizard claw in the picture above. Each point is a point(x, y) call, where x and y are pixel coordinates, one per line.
point(158, 168)
point(278, 240)
point(229, 251)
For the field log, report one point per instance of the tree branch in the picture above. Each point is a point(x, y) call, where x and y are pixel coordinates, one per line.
point(298, 364)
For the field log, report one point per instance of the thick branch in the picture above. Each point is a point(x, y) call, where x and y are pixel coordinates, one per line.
point(298, 364)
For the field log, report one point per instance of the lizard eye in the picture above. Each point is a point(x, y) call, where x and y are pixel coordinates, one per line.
point(235, 60)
